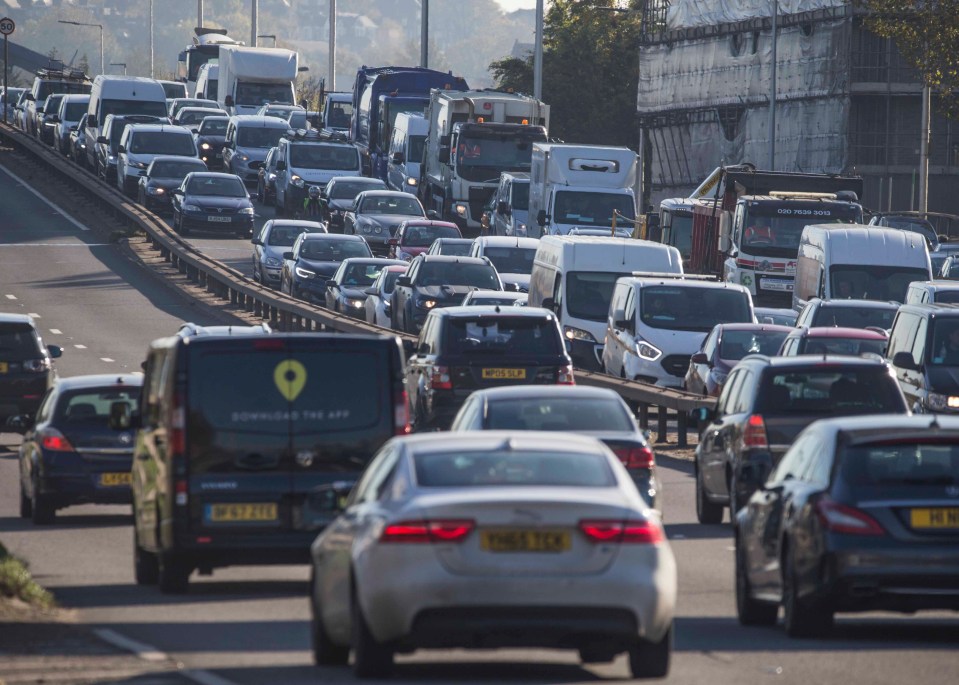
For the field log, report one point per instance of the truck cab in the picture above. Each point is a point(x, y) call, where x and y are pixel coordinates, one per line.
point(676, 220)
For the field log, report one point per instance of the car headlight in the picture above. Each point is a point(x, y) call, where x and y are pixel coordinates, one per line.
point(205, 146)
point(578, 334)
point(155, 191)
point(191, 208)
point(273, 261)
point(461, 209)
point(425, 303)
point(83, 146)
point(304, 273)
point(355, 302)
point(411, 181)
point(297, 181)
point(246, 210)
point(366, 228)
point(647, 351)
point(271, 177)
point(718, 377)
point(243, 158)
point(138, 165)
point(937, 402)
point(111, 159)
point(36, 365)
point(387, 308)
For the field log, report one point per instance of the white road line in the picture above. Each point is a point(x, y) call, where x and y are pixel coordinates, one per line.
point(80, 347)
point(43, 199)
point(10, 297)
point(141, 650)
point(56, 331)
point(106, 359)
point(34, 315)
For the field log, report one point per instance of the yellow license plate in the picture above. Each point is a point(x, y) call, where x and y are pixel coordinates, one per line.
point(112, 479)
point(3, 367)
point(224, 513)
point(944, 517)
point(504, 374)
point(525, 540)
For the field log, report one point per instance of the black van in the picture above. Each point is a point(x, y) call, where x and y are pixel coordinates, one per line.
point(243, 433)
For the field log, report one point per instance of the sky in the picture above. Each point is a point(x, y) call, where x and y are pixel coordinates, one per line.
point(510, 5)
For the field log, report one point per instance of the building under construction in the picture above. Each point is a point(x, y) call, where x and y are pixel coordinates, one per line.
point(845, 101)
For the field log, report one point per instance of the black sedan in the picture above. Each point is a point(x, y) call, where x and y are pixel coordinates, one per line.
point(377, 214)
point(346, 291)
point(861, 514)
point(314, 259)
point(597, 412)
point(210, 138)
point(338, 197)
point(213, 201)
point(164, 175)
point(71, 455)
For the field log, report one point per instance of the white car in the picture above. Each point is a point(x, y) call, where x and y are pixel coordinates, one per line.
point(379, 295)
point(492, 539)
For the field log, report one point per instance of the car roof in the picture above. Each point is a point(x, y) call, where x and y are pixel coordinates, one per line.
point(332, 236)
point(495, 310)
point(935, 308)
point(452, 241)
point(496, 294)
point(179, 158)
point(938, 284)
point(507, 241)
point(16, 318)
point(532, 391)
point(838, 332)
point(871, 304)
point(482, 441)
point(211, 174)
point(446, 258)
point(397, 267)
point(647, 281)
point(262, 120)
point(160, 128)
point(299, 223)
point(199, 109)
point(804, 361)
point(100, 380)
point(387, 193)
point(866, 428)
point(429, 222)
point(385, 261)
point(354, 179)
point(755, 327)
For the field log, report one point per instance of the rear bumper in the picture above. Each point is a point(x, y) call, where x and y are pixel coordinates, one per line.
point(200, 223)
point(83, 488)
point(268, 548)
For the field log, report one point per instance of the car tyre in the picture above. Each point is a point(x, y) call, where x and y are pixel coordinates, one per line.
point(802, 617)
point(146, 566)
point(371, 659)
point(325, 651)
point(651, 659)
point(173, 575)
point(707, 512)
point(26, 506)
point(734, 504)
point(42, 511)
point(751, 612)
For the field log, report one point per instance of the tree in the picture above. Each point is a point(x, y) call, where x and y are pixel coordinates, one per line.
point(590, 72)
point(927, 36)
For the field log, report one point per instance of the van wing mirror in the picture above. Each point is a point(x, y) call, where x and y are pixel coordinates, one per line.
point(699, 358)
point(102, 140)
point(502, 208)
point(725, 237)
point(541, 217)
point(904, 360)
point(404, 282)
point(548, 303)
point(331, 497)
point(398, 158)
point(444, 154)
point(702, 415)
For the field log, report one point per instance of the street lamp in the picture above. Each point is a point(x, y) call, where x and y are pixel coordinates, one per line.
point(268, 35)
point(120, 64)
point(772, 89)
point(82, 23)
point(538, 53)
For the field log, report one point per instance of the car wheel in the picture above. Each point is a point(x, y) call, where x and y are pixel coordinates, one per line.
point(146, 567)
point(325, 651)
point(173, 574)
point(651, 659)
point(26, 506)
point(802, 617)
point(371, 659)
point(734, 505)
point(256, 276)
point(751, 612)
point(141, 198)
point(706, 512)
point(42, 511)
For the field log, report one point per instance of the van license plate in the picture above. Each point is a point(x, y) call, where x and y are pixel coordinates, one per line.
point(776, 284)
point(219, 218)
point(114, 479)
point(3, 367)
point(943, 518)
point(525, 540)
point(501, 374)
point(228, 513)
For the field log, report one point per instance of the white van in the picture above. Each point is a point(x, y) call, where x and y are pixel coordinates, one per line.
point(854, 261)
point(406, 151)
point(656, 323)
point(511, 205)
point(121, 95)
point(933, 292)
point(574, 276)
point(206, 81)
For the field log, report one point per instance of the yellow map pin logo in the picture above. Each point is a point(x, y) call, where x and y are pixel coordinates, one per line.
point(290, 377)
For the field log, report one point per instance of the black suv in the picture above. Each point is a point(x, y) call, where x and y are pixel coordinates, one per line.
point(240, 433)
point(434, 281)
point(26, 369)
point(765, 404)
point(462, 349)
point(847, 314)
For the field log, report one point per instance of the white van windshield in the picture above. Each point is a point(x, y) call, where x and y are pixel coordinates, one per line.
point(588, 293)
point(681, 308)
point(866, 282)
point(127, 107)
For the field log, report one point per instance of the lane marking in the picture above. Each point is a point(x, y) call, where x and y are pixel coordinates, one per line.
point(106, 359)
point(56, 331)
point(80, 347)
point(34, 315)
point(141, 650)
point(10, 297)
point(26, 186)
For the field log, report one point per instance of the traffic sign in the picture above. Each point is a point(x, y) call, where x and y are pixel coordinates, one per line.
point(7, 26)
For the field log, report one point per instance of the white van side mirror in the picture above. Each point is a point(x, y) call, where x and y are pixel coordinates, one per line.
point(620, 321)
point(725, 239)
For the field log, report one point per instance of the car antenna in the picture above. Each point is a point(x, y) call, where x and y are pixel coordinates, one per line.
point(497, 309)
point(934, 424)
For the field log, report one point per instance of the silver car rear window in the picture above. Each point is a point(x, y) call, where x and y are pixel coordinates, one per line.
point(511, 467)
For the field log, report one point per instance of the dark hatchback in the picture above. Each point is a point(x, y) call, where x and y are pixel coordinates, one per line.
point(70, 454)
point(847, 313)
point(210, 139)
point(462, 349)
point(210, 201)
point(860, 515)
point(243, 438)
point(725, 345)
point(314, 259)
point(26, 366)
point(597, 412)
point(346, 291)
point(764, 406)
point(162, 177)
point(338, 197)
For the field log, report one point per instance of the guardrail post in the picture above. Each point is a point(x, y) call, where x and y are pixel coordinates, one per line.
point(643, 415)
point(661, 412)
point(682, 425)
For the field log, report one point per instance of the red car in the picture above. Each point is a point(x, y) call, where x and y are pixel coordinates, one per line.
point(415, 236)
point(835, 340)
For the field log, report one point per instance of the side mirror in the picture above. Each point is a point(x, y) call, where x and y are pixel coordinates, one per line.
point(370, 291)
point(287, 255)
point(541, 217)
point(331, 497)
point(29, 96)
point(444, 155)
point(409, 347)
point(256, 241)
point(73, 128)
point(55, 351)
point(904, 360)
point(121, 416)
point(19, 424)
point(177, 191)
point(121, 148)
point(699, 358)
point(398, 158)
point(702, 414)
point(281, 166)
point(393, 242)
point(103, 140)
point(432, 214)
point(331, 285)
point(39, 110)
point(502, 207)
point(404, 282)
point(549, 303)
point(54, 119)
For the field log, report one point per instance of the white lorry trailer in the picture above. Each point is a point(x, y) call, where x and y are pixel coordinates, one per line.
point(474, 136)
point(252, 77)
point(580, 185)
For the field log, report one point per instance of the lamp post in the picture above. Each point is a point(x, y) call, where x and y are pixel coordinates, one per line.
point(332, 60)
point(99, 26)
point(268, 35)
point(120, 64)
point(424, 33)
point(254, 21)
point(152, 64)
point(538, 53)
point(772, 89)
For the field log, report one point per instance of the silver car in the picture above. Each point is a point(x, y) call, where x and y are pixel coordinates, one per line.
point(378, 303)
point(492, 539)
point(276, 237)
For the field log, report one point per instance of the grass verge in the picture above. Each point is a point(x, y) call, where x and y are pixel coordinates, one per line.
point(16, 582)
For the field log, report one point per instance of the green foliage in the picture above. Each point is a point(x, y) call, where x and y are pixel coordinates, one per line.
point(590, 72)
point(927, 36)
point(15, 581)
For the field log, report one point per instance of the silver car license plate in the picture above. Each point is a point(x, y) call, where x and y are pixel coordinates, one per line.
point(218, 218)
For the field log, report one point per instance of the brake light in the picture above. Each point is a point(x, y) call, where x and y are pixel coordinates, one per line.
point(564, 375)
point(55, 441)
point(177, 437)
point(629, 532)
point(840, 518)
point(274, 344)
point(453, 530)
point(440, 379)
point(401, 413)
point(636, 457)
point(755, 433)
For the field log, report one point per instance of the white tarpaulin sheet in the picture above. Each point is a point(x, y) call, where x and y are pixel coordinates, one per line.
point(690, 13)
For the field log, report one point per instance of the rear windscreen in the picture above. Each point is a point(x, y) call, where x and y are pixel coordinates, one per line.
point(854, 316)
point(93, 406)
point(19, 341)
point(853, 346)
point(266, 392)
point(511, 260)
point(506, 335)
point(558, 413)
point(162, 143)
point(457, 273)
point(472, 469)
point(901, 463)
point(829, 390)
point(737, 344)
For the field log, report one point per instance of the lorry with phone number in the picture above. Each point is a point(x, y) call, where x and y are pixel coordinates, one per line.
point(747, 224)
